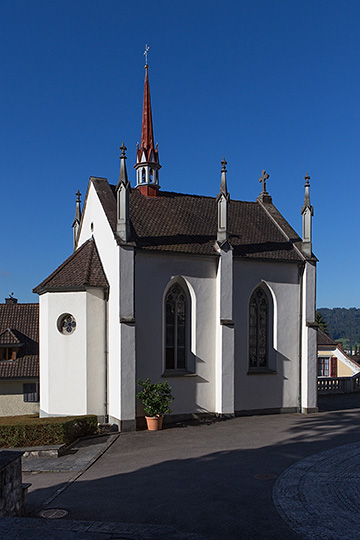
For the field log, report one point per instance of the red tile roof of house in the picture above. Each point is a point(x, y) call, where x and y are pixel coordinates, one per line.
point(324, 339)
point(24, 367)
point(9, 337)
point(19, 324)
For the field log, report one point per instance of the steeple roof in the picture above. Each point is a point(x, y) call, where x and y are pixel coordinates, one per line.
point(147, 131)
point(123, 177)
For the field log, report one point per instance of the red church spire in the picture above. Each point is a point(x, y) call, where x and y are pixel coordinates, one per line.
point(147, 131)
point(147, 157)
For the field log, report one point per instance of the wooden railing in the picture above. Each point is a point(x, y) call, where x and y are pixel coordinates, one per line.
point(339, 385)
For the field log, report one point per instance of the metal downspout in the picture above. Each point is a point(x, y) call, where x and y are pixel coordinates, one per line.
point(106, 416)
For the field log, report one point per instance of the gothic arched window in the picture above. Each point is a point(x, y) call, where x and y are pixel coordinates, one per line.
point(176, 323)
point(258, 329)
point(143, 175)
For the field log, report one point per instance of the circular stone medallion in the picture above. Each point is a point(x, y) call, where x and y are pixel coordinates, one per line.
point(53, 513)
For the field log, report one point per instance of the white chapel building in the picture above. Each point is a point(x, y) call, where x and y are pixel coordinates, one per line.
point(215, 295)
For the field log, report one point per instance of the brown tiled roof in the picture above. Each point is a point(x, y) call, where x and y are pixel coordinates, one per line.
point(81, 270)
point(324, 339)
point(20, 323)
point(9, 337)
point(26, 366)
point(188, 224)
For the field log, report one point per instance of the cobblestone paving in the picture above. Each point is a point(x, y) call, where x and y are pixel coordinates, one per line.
point(319, 496)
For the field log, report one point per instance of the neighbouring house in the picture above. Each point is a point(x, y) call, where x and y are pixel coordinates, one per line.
point(333, 360)
point(19, 358)
point(215, 295)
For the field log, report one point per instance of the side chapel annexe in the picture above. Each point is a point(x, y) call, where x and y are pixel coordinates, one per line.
point(217, 295)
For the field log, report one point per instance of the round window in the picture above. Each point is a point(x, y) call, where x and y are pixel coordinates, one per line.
point(66, 324)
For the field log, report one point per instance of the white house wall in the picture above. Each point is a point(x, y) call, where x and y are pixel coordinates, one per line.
point(12, 398)
point(269, 390)
point(153, 272)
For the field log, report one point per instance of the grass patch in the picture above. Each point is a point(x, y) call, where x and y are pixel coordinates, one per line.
point(30, 430)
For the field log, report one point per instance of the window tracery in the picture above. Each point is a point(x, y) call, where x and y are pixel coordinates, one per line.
point(258, 329)
point(175, 328)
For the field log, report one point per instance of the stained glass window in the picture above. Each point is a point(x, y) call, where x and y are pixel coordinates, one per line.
point(66, 324)
point(258, 329)
point(175, 332)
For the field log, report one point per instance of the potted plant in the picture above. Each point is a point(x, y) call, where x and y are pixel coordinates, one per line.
point(156, 399)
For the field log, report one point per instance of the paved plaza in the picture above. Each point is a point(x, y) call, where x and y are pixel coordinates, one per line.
point(260, 477)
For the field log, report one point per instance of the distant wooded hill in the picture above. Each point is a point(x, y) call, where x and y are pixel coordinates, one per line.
point(342, 323)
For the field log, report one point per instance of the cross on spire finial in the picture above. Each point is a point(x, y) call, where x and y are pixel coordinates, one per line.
point(146, 54)
point(307, 178)
point(78, 195)
point(264, 176)
point(123, 150)
point(223, 163)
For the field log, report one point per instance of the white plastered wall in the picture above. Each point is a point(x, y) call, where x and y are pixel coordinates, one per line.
point(153, 272)
point(309, 341)
point(269, 390)
point(224, 365)
point(95, 223)
point(72, 367)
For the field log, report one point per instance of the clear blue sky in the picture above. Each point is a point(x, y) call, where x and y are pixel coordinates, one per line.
point(269, 84)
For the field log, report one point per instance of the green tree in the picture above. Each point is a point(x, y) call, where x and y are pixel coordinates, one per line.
point(319, 318)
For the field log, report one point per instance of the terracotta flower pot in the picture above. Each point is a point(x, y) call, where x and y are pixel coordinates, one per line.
point(154, 423)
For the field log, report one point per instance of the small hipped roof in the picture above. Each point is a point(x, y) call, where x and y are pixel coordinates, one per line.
point(82, 270)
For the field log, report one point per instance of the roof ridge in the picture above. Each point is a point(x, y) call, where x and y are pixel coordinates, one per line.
point(11, 332)
point(89, 265)
point(64, 264)
point(280, 227)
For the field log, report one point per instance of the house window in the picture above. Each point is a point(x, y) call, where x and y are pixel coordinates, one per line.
point(323, 367)
point(176, 309)
point(258, 330)
point(327, 367)
point(31, 392)
point(7, 353)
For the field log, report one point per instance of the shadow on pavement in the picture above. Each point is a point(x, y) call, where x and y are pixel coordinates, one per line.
point(204, 479)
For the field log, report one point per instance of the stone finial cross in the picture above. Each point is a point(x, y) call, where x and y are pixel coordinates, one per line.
point(78, 195)
point(223, 163)
point(307, 178)
point(264, 176)
point(146, 54)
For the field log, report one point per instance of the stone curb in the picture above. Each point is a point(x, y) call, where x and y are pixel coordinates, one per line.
point(70, 529)
point(102, 451)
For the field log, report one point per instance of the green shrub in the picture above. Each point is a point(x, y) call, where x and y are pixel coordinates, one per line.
point(34, 431)
point(156, 397)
